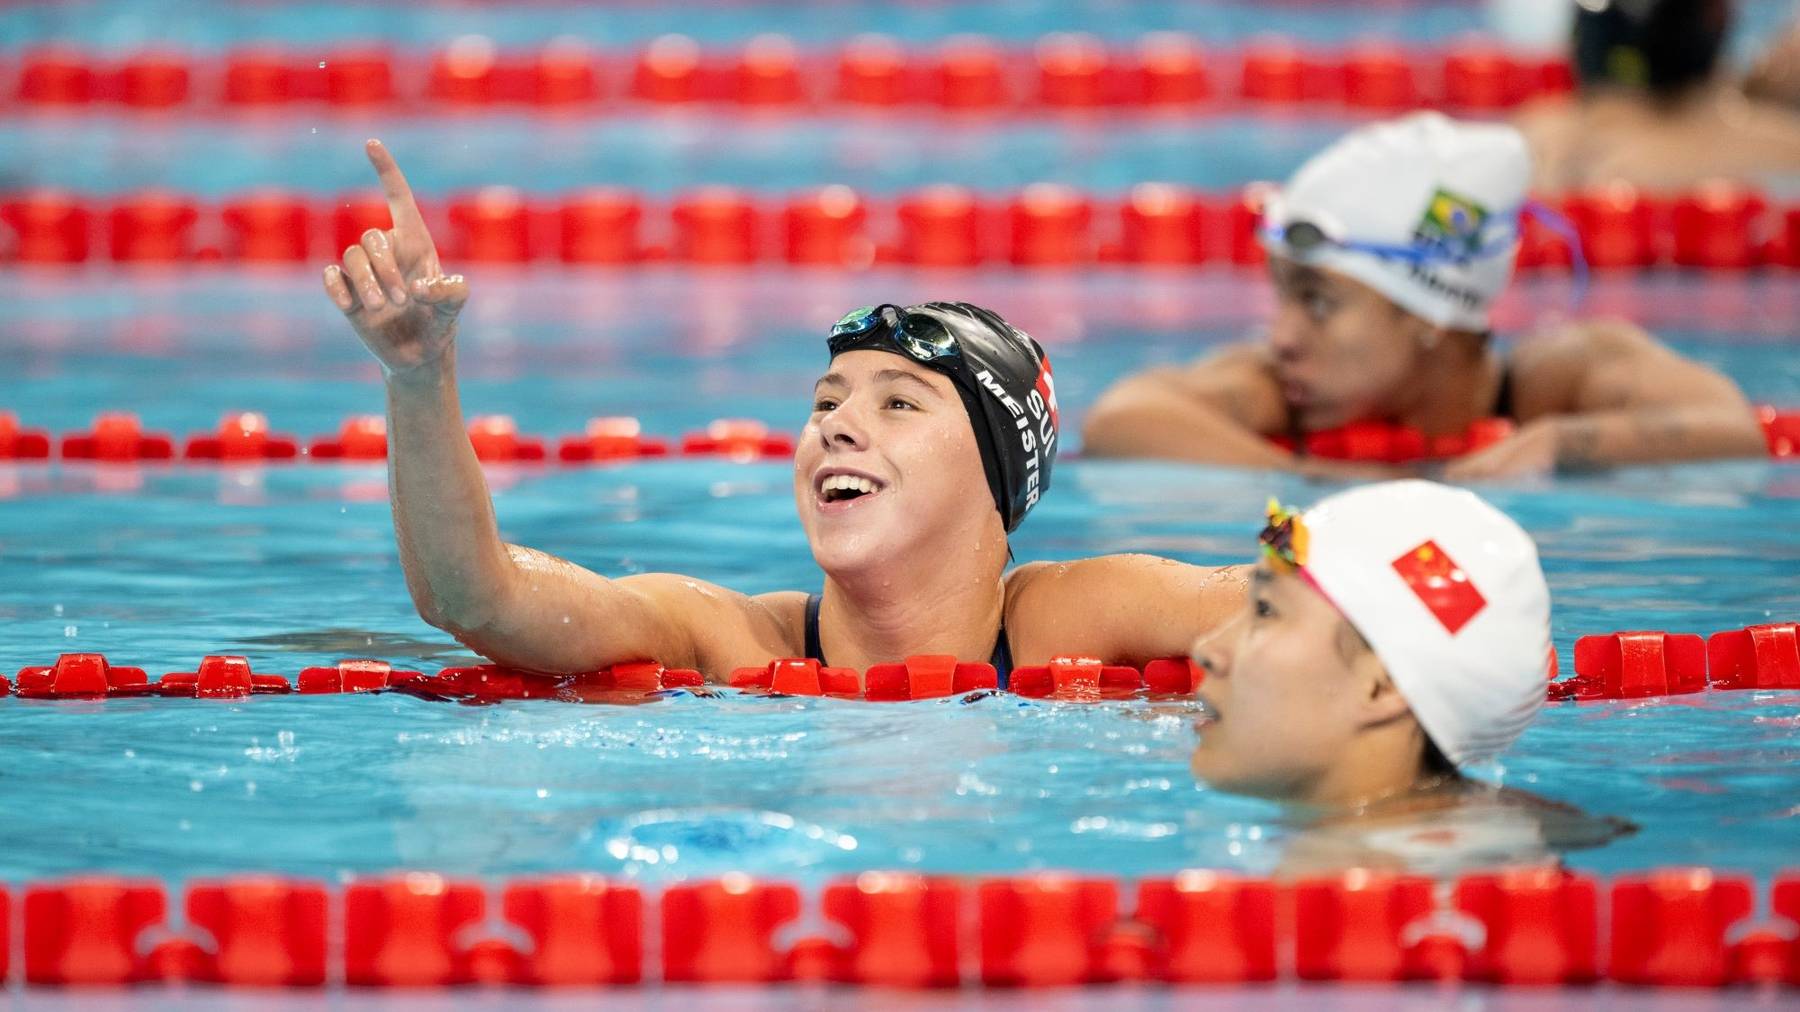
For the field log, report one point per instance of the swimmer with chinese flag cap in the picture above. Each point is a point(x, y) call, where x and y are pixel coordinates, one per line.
point(1396, 635)
point(922, 408)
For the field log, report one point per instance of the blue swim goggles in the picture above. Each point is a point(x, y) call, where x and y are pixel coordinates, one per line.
point(923, 338)
point(1303, 238)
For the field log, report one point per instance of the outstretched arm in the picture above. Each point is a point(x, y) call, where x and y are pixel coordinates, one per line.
point(1606, 393)
point(1214, 411)
point(517, 606)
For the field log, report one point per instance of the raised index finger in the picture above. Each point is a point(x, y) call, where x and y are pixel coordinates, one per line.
point(405, 210)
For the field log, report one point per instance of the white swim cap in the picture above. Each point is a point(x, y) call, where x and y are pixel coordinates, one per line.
point(1448, 592)
point(1424, 183)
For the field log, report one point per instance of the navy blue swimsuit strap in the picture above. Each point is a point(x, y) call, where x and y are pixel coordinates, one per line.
point(1001, 661)
point(1503, 399)
point(814, 652)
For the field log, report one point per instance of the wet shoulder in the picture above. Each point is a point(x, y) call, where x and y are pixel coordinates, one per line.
point(730, 629)
point(1122, 608)
point(1551, 369)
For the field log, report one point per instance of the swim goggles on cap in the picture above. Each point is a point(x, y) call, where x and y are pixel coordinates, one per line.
point(1303, 238)
point(923, 337)
point(1285, 539)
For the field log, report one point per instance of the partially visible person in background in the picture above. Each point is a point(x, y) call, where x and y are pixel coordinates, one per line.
point(1654, 107)
point(1387, 251)
point(1775, 78)
point(1397, 635)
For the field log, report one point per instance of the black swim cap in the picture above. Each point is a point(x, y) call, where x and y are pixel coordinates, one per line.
point(1657, 46)
point(1002, 375)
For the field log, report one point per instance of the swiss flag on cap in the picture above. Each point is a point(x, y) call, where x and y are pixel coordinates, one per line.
point(1441, 585)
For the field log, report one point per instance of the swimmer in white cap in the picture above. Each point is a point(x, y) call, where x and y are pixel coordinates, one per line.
point(931, 434)
point(1396, 634)
point(1387, 251)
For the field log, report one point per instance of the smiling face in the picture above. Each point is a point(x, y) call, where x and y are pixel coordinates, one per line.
point(1289, 687)
point(1342, 351)
point(887, 470)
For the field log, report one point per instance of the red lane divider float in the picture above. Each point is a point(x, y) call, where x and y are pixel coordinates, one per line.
point(1635, 665)
point(92, 676)
point(21, 444)
point(82, 676)
point(1716, 226)
point(610, 439)
point(1631, 665)
point(242, 436)
point(1354, 928)
point(117, 437)
point(1757, 657)
point(1781, 429)
point(245, 437)
point(798, 677)
point(1061, 72)
point(1626, 665)
point(738, 439)
point(1397, 444)
point(1069, 679)
point(1674, 927)
point(352, 676)
point(362, 437)
point(924, 677)
point(221, 678)
point(265, 932)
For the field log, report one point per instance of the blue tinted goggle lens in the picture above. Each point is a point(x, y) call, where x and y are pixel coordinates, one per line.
point(920, 336)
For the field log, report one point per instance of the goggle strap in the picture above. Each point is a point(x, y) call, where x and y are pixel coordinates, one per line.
point(1565, 230)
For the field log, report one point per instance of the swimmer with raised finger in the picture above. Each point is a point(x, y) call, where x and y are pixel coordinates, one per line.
point(931, 437)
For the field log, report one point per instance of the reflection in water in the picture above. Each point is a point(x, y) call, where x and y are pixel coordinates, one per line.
point(348, 642)
point(1471, 828)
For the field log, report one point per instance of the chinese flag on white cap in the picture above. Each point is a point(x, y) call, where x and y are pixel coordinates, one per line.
point(1449, 593)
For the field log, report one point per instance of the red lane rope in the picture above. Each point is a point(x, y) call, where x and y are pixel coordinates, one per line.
point(1061, 72)
point(1620, 665)
point(1670, 927)
point(1717, 226)
point(1073, 679)
point(244, 437)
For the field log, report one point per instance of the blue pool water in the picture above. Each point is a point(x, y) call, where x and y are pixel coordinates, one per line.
point(295, 566)
point(214, 24)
